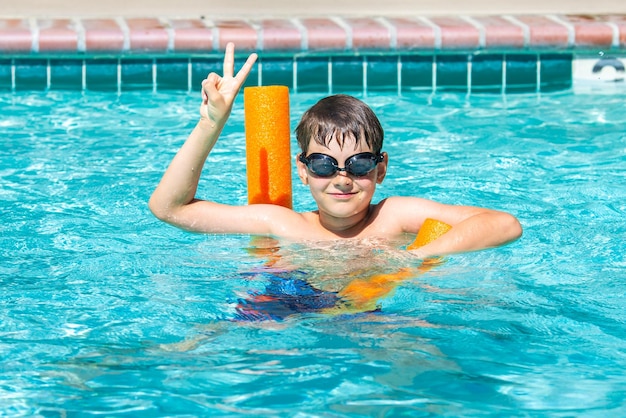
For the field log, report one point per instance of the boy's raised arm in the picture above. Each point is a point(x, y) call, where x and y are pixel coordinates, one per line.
point(178, 185)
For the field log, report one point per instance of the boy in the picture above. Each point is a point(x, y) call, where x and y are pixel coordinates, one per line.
point(341, 161)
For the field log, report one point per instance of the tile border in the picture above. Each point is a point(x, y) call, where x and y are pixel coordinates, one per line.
point(160, 35)
point(358, 73)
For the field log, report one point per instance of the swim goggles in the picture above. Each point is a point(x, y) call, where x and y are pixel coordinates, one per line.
point(358, 165)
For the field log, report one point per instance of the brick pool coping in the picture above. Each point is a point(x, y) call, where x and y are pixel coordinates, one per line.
point(591, 34)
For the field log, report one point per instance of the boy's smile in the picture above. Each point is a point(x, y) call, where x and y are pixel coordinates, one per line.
point(342, 195)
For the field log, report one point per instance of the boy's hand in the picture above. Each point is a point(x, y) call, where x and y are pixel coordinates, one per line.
point(218, 93)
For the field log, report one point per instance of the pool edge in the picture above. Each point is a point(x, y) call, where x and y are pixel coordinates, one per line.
point(596, 44)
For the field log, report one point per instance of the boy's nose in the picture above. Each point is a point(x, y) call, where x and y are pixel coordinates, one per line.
point(343, 177)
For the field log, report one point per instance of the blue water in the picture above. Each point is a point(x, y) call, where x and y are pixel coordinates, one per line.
point(107, 311)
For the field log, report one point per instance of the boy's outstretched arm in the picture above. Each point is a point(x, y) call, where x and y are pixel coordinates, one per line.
point(473, 229)
point(483, 229)
point(175, 193)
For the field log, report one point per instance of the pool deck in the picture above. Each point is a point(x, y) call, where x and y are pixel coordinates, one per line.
point(289, 8)
point(35, 27)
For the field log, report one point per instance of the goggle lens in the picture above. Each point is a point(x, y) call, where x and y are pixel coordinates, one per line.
point(358, 165)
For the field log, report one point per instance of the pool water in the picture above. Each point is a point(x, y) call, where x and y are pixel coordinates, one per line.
point(108, 311)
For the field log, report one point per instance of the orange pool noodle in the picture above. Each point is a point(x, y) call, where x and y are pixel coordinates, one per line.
point(363, 294)
point(268, 150)
point(431, 230)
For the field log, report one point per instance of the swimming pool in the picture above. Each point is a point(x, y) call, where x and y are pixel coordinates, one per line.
point(108, 311)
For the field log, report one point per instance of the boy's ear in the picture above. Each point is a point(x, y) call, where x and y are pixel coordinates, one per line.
point(382, 168)
point(302, 171)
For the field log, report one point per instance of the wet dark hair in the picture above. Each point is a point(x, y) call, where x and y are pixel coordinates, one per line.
point(340, 118)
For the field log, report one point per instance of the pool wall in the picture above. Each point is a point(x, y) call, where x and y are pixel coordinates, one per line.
point(474, 53)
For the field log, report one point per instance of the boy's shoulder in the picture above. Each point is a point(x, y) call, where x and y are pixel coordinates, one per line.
point(391, 208)
point(403, 212)
point(396, 202)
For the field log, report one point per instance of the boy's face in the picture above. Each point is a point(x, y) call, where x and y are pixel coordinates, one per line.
point(342, 195)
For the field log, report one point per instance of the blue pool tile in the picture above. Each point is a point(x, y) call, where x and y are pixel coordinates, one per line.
point(277, 72)
point(377, 72)
point(416, 72)
point(347, 74)
point(312, 75)
point(66, 74)
point(31, 74)
point(452, 72)
point(201, 68)
point(253, 77)
point(173, 74)
point(555, 72)
point(521, 73)
point(382, 73)
point(6, 80)
point(101, 74)
point(137, 74)
point(487, 73)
